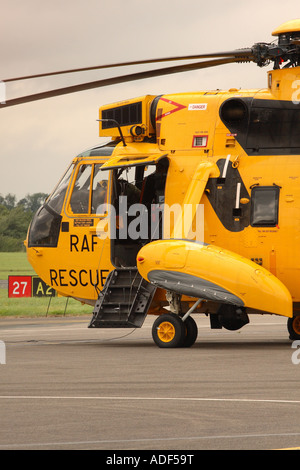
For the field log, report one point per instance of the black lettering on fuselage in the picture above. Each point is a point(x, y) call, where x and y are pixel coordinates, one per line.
point(103, 276)
point(73, 278)
point(87, 243)
point(53, 277)
point(94, 241)
point(73, 242)
point(62, 277)
point(75, 281)
point(84, 284)
point(95, 281)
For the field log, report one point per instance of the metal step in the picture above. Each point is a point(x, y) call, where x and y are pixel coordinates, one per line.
point(124, 300)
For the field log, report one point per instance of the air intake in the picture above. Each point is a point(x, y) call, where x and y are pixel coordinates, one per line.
point(125, 115)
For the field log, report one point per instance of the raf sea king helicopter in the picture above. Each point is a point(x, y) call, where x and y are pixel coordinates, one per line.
point(192, 207)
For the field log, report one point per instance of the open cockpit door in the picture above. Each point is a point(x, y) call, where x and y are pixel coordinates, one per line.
point(137, 198)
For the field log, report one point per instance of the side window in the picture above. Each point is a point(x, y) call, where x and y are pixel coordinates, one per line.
point(99, 190)
point(81, 191)
point(264, 206)
point(90, 190)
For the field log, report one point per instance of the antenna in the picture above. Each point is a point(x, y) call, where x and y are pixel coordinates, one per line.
point(118, 126)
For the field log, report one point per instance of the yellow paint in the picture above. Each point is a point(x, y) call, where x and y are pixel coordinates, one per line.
point(166, 332)
point(254, 285)
point(181, 119)
point(287, 27)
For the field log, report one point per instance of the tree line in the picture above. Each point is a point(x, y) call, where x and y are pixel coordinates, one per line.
point(15, 217)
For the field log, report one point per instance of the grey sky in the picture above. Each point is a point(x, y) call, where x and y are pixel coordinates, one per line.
point(38, 140)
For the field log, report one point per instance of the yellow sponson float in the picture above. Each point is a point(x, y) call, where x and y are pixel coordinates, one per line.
point(204, 271)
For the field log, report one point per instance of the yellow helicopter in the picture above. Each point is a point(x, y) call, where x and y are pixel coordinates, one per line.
point(192, 207)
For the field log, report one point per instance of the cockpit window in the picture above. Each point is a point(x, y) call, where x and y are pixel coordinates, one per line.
point(56, 200)
point(45, 225)
point(99, 190)
point(79, 201)
point(89, 194)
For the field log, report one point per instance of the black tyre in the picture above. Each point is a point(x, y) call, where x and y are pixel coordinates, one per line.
point(293, 325)
point(168, 331)
point(191, 332)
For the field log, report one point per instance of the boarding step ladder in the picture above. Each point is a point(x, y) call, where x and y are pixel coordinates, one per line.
point(124, 300)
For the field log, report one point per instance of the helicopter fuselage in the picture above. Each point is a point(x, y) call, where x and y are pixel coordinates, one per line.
point(249, 141)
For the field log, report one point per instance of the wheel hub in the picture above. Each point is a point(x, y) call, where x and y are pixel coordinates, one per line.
point(166, 332)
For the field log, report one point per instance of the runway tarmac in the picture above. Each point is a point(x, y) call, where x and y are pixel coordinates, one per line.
point(65, 386)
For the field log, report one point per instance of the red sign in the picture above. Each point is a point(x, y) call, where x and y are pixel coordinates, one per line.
point(19, 286)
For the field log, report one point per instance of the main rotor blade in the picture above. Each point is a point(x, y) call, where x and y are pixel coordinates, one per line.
point(120, 79)
point(242, 53)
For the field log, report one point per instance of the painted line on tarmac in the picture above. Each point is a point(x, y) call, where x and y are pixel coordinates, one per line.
point(186, 399)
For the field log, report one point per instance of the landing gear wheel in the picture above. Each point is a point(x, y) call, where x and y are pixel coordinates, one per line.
point(293, 325)
point(168, 331)
point(191, 332)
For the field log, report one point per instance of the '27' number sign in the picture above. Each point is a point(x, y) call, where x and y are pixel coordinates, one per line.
point(19, 286)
